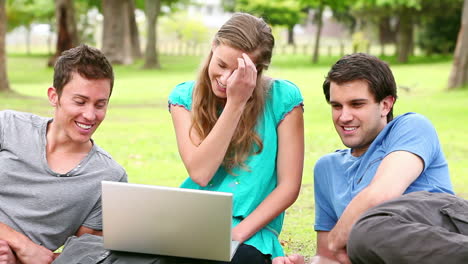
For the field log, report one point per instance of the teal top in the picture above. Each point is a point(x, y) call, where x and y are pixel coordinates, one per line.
point(250, 187)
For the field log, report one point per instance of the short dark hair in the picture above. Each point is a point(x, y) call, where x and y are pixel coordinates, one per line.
point(362, 66)
point(87, 61)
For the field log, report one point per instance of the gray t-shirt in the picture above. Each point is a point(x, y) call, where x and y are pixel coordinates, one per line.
point(46, 206)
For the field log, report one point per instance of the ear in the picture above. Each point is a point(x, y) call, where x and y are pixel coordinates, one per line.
point(387, 104)
point(53, 96)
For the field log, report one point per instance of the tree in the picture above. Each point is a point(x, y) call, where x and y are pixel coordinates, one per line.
point(405, 12)
point(23, 13)
point(318, 7)
point(439, 27)
point(67, 34)
point(459, 73)
point(4, 85)
point(120, 41)
point(286, 13)
point(152, 10)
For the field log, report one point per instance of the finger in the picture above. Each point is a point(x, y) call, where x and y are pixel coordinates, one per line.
point(241, 66)
point(248, 61)
point(250, 66)
point(281, 260)
point(232, 77)
point(296, 258)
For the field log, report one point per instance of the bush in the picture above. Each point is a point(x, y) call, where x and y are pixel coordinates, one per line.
point(438, 34)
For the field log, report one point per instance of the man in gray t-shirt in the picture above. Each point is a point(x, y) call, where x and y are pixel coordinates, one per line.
point(50, 168)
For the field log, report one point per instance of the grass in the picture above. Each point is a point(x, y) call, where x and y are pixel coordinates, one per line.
point(138, 129)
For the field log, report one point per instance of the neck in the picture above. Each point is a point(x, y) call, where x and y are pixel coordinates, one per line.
point(58, 141)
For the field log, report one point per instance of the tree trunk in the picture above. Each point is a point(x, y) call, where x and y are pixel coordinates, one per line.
point(386, 33)
point(152, 9)
point(291, 35)
point(405, 35)
point(134, 36)
point(67, 34)
point(119, 31)
point(319, 22)
point(4, 85)
point(459, 74)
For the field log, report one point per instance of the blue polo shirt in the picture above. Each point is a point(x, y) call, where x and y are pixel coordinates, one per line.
point(339, 176)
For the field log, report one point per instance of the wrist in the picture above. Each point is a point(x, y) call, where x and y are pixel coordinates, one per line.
point(237, 235)
point(235, 106)
point(19, 243)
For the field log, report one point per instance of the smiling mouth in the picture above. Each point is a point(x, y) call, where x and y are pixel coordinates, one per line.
point(83, 126)
point(349, 128)
point(221, 85)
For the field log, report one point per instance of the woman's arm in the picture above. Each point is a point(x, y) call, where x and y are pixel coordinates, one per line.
point(290, 162)
point(203, 161)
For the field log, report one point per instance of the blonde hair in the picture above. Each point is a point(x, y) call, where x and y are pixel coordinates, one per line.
point(251, 35)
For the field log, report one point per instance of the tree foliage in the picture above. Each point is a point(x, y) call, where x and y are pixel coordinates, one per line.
point(26, 12)
point(275, 12)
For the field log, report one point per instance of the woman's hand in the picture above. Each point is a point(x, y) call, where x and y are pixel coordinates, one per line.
point(242, 82)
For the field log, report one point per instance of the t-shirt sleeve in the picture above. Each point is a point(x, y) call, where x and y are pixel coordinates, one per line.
point(286, 96)
point(414, 133)
point(324, 214)
point(181, 95)
point(94, 219)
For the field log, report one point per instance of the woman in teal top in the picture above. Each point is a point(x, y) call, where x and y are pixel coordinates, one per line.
point(241, 132)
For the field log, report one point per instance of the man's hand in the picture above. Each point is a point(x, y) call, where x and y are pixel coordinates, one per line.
point(6, 254)
point(35, 254)
point(243, 80)
point(323, 260)
point(337, 239)
point(292, 259)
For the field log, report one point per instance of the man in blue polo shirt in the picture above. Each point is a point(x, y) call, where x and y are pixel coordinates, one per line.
point(394, 167)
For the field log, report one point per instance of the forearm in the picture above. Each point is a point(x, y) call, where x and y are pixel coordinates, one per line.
point(201, 168)
point(15, 240)
point(365, 200)
point(275, 203)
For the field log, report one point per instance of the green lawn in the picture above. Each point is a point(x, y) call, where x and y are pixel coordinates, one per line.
point(138, 129)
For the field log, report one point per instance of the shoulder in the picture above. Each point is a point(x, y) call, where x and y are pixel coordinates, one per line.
point(283, 97)
point(332, 159)
point(115, 171)
point(409, 124)
point(182, 95)
point(411, 120)
point(281, 88)
point(16, 117)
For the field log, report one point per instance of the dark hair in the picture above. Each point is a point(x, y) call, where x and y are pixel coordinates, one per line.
point(362, 66)
point(87, 61)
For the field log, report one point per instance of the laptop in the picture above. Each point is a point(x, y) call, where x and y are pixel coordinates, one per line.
point(167, 221)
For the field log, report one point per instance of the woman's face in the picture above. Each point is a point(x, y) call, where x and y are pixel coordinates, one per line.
point(222, 65)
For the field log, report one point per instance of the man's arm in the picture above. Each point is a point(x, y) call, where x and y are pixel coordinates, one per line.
point(395, 173)
point(324, 255)
point(86, 230)
point(26, 251)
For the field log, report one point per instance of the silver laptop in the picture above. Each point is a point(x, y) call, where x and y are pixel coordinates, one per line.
point(167, 221)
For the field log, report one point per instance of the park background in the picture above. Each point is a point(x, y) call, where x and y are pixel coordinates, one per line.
point(310, 36)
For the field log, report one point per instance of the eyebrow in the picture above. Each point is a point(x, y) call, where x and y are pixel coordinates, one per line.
point(221, 61)
point(359, 100)
point(87, 98)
